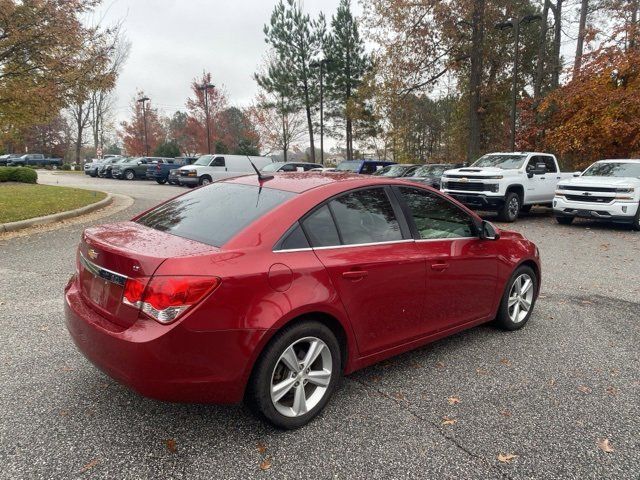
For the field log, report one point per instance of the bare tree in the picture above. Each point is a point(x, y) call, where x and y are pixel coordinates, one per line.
point(582, 30)
point(475, 78)
point(557, 43)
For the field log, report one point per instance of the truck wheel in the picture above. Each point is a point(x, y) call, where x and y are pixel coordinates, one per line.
point(205, 180)
point(161, 181)
point(636, 221)
point(129, 175)
point(564, 220)
point(511, 208)
point(518, 299)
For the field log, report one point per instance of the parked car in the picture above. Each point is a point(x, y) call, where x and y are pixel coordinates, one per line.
point(290, 167)
point(105, 166)
point(33, 159)
point(431, 174)
point(271, 290)
point(508, 183)
point(365, 167)
point(323, 169)
point(174, 173)
point(397, 170)
point(5, 159)
point(607, 190)
point(160, 170)
point(210, 168)
point(133, 168)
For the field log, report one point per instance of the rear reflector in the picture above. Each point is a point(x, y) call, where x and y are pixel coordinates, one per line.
point(165, 298)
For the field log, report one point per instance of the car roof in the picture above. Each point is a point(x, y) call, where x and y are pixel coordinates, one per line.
point(620, 160)
point(303, 181)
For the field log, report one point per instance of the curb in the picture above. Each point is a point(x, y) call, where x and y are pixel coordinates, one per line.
point(55, 217)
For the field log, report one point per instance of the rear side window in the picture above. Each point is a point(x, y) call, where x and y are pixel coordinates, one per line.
point(214, 214)
point(365, 216)
point(321, 229)
point(294, 239)
point(548, 161)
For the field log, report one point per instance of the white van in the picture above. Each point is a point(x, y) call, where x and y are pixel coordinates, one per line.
point(209, 168)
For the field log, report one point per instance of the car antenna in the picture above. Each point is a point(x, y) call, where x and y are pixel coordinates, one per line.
point(261, 176)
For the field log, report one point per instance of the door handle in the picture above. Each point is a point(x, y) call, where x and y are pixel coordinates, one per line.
point(440, 267)
point(355, 274)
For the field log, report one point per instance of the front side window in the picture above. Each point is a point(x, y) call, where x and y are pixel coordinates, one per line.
point(218, 162)
point(365, 216)
point(548, 161)
point(435, 217)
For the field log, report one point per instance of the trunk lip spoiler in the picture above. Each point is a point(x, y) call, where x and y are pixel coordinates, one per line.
point(104, 273)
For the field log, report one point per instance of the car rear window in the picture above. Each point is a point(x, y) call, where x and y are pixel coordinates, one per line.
point(215, 213)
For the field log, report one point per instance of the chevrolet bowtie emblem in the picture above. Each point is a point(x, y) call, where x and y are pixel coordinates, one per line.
point(92, 254)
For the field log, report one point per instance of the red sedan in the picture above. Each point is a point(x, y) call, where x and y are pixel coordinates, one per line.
point(271, 290)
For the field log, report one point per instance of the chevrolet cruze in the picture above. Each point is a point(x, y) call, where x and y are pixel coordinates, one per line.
point(271, 289)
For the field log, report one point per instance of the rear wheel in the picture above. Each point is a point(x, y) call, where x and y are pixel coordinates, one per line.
point(129, 175)
point(636, 221)
point(518, 299)
point(511, 208)
point(161, 181)
point(564, 220)
point(296, 375)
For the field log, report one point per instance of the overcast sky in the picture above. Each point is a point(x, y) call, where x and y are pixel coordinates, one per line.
point(174, 41)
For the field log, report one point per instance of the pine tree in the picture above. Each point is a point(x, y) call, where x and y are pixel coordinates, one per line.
point(347, 64)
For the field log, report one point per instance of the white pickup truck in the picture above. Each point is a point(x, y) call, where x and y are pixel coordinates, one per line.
point(508, 183)
point(607, 190)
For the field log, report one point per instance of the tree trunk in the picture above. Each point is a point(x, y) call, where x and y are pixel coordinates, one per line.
point(557, 38)
point(79, 132)
point(475, 79)
point(542, 52)
point(635, 6)
point(577, 64)
point(307, 105)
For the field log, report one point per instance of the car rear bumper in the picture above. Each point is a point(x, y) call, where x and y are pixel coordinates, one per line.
point(166, 362)
point(478, 201)
point(619, 212)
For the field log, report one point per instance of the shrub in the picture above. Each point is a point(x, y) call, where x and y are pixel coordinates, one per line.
point(66, 166)
point(18, 174)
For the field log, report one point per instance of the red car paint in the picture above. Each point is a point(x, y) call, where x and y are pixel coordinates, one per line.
point(429, 288)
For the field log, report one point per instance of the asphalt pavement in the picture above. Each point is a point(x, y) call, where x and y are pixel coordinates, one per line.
point(544, 402)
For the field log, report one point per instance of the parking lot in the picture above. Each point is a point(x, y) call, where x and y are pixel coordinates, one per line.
point(536, 403)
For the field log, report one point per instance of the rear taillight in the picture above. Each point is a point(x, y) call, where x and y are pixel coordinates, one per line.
point(166, 298)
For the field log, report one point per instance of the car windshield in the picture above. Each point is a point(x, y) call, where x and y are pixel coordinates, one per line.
point(430, 171)
point(272, 167)
point(392, 170)
point(504, 162)
point(349, 166)
point(204, 160)
point(214, 214)
point(613, 169)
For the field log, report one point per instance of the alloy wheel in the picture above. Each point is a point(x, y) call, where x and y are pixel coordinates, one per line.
point(301, 376)
point(514, 207)
point(520, 298)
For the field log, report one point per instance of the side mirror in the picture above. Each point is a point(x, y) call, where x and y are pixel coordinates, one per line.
point(139, 162)
point(488, 231)
point(577, 174)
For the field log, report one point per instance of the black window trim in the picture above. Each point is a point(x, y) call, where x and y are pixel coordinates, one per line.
point(412, 224)
point(400, 214)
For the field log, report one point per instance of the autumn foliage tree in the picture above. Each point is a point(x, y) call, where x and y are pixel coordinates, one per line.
point(196, 124)
point(132, 131)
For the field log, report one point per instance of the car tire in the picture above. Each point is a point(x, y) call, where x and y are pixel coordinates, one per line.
point(511, 208)
point(129, 175)
point(513, 313)
point(636, 221)
point(564, 220)
point(204, 180)
point(301, 398)
point(161, 181)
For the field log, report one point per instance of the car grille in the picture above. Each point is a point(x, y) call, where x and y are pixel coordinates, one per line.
point(467, 186)
point(587, 189)
point(589, 198)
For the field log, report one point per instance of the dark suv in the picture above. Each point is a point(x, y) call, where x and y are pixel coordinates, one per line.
point(365, 167)
point(160, 171)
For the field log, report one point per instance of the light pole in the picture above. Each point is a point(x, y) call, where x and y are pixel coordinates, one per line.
point(206, 88)
point(515, 24)
point(143, 100)
point(321, 64)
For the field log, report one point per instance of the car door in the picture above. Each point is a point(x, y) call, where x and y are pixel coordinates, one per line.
point(550, 179)
point(535, 181)
point(461, 268)
point(363, 241)
point(218, 168)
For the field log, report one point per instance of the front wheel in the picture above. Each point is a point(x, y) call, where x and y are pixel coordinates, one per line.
point(636, 220)
point(296, 375)
point(129, 175)
point(511, 208)
point(205, 180)
point(518, 299)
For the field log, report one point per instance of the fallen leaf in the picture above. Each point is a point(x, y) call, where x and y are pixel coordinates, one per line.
point(375, 379)
point(63, 413)
point(552, 382)
point(171, 445)
point(261, 447)
point(448, 421)
point(482, 371)
point(453, 400)
point(505, 413)
point(612, 390)
point(265, 464)
point(506, 457)
point(415, 365)
point(440, 365)
point(584, 389)
point(586, 302)
point(90, 465)
point(397, 395)
point(604, 445)
point(505, 361)
point(67, 369)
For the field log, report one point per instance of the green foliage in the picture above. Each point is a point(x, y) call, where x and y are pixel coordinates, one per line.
point(66, 166)
point(220, 147)
point(18, 174)
point(246, 148)
point(168, 149)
